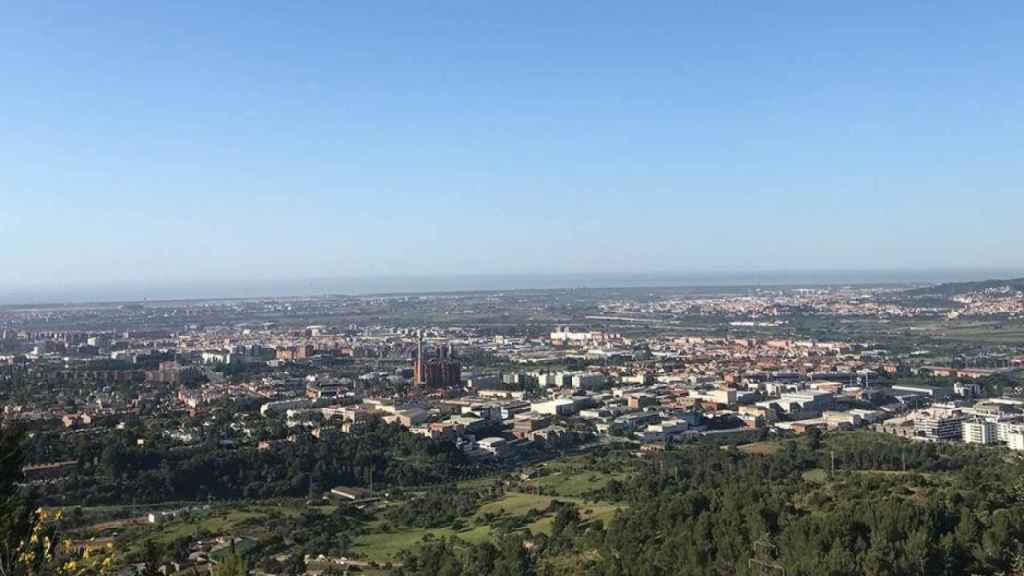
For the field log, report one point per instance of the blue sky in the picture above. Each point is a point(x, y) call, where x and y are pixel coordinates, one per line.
point(149, 143)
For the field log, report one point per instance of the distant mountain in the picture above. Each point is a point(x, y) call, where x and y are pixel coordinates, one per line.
point(950, 289)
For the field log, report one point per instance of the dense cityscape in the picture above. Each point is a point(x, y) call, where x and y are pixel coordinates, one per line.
point(176, 432)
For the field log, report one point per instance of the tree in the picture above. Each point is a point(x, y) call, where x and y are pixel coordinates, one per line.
point(513, 559)
point(296, 565)
point(44, 553)
point(233, 565)
point(814, 438)
point(151, 559)
point(15, 513)
point(181, 548)
point(481, 559)
point(567, 518)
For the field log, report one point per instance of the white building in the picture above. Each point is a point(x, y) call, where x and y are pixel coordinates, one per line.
point(547, 379)
point(837, 419)
point(664, 430)
point(718, 395)
point(979, 432)
point(641, 378)
point(217, 357)
point(1007, 428)
point(808, 399)
point(282, 406)
point(868, 416)
point(588, 380)
point(495, 446)
point(558, 406)
point(798, 402)
point(966, 389)
point(563, 335)
point(1015, 441)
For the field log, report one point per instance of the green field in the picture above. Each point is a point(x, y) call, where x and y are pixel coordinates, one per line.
point(603, 512)
point(1001, 332)
point(572, 478)
point(382, 547)
point(516, 504)
point(574, 484)
point(816, 475)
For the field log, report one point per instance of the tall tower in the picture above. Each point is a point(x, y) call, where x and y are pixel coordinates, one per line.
point(418, 375)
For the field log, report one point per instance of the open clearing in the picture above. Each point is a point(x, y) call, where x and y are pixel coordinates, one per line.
point(383, 547)
point(761, 448)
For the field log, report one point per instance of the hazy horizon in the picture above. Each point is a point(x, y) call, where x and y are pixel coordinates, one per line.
point(360, 286)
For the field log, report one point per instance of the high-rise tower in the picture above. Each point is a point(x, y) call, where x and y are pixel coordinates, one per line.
point(441, 370)
point(419, 378)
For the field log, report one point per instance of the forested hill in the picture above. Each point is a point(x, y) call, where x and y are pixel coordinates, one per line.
point(891, 508)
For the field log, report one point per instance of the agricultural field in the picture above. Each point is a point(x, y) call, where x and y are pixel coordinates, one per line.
point(975, 332)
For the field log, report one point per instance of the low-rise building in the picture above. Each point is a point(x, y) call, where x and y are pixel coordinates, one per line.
point(494, 445)
point(640, 401)
point(664, 430)
point(836, 420)
point(526, 423)
point(409, 417)
point(635, 420)
point(588, 380)
point(725, 396)
point(558, 406)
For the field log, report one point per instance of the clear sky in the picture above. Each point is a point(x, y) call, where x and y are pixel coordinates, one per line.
point(169, 142)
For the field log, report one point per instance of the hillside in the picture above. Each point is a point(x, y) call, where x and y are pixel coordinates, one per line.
point(950, 289)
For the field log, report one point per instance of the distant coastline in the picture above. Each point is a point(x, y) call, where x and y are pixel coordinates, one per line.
point(368, 285)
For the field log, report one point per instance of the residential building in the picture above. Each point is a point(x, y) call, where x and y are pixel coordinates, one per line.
point(939, 424)
point(979, 431)
point(1015, 441)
